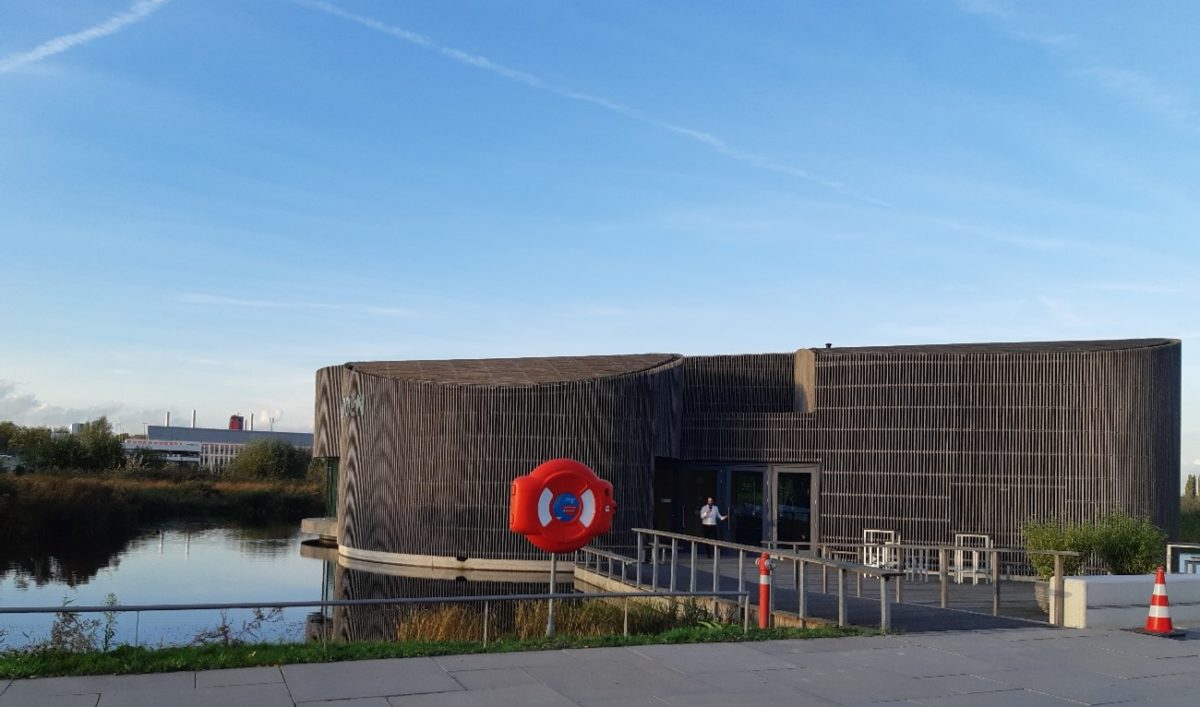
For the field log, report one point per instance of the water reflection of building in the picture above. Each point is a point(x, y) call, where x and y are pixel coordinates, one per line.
point(346, 578)
point(922, 442)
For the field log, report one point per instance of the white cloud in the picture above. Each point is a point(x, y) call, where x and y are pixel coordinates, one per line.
point(136, 13)
point(1129, 85)
point(25, 409)
point(477, 61)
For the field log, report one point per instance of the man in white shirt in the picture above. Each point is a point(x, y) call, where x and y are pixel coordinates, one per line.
point(710, 513)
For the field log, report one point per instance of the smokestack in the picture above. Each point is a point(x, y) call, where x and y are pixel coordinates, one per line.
point(251, 422)
point(193, 418)
point(167, 423)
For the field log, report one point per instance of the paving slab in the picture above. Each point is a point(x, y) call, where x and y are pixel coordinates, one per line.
point(711, 657)
point(359, 702)
point(615, 678)
point(81, 700)
point(768, 697)
point(1078, 686)
point(1023, 698)
point(238, 676)
point(1169, 690)
point(496, 677)
point(874, 685)
point(830, 645)
point(367, 678)
point(4, 686)
point(487, 661)
point(275, 695)
point(1128, 643)
point(94, 684)
point(919, 661)
point(513, 696)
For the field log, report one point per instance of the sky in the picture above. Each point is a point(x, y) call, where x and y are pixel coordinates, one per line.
point(204, 201)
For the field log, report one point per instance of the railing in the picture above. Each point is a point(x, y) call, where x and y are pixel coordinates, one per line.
point(918, 562)
point(663, 544)
point(137, 609)
point(1188, 566)
point(660, 554)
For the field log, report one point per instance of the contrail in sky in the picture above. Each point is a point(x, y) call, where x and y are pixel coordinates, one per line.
point(480, 62)
point(136, 13)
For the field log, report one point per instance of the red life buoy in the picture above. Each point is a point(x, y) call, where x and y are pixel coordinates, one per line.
point(561, 505)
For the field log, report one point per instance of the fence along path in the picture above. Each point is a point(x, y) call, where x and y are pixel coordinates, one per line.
point(835, 590)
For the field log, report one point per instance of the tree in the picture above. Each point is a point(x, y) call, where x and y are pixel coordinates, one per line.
point(101, 448)
point(1189, 487)
point(270, 459)
point(7, 430)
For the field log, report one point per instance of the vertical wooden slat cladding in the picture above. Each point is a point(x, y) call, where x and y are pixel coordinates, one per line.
point(427, 465)
point(327, 416)
point(932, 441)
point(927, 441)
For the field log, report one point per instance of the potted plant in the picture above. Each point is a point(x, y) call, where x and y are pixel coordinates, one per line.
point(1119, 542)
point(1054, 535)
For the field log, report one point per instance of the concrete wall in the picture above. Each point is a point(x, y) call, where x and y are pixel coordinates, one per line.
point(1123, 601)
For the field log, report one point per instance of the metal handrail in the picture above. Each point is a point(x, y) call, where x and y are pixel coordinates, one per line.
point(71, 609)
point(743, 601)
point(868, 570)
point(799, 560)
point(910, 546)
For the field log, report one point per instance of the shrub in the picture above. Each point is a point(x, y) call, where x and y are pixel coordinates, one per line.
point(1055, 535)
point(269, 459)
point(1122, 543)
point(1128, 545)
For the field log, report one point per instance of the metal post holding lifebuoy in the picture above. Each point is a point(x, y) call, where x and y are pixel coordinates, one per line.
point(765, 565)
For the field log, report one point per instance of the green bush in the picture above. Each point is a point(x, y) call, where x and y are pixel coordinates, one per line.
point(1054, 535)
point(1122, 543)
point(1128, 545)
point(269, 460)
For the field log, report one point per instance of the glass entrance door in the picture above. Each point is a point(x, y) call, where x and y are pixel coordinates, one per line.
point(746, 505)
point(694, 489)
point(794, 507)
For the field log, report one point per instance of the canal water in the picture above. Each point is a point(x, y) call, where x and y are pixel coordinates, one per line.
point(191, 564)
point(179, 564)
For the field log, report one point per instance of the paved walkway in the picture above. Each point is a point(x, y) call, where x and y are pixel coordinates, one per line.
point(1026, 667)
point(970, 605)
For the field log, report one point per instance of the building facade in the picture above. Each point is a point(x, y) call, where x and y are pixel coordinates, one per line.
point(213, 448)
point(922, 442)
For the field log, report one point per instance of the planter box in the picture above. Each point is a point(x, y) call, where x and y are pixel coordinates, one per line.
point(1123, 601)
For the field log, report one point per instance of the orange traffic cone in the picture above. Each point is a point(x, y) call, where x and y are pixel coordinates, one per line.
point(1158, 622)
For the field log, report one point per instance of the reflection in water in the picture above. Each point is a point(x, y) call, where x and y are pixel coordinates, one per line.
point(57, 562)
point(176, 564)
point(189, 564)
point(352, 579)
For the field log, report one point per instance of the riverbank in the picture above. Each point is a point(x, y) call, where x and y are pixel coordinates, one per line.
point(38, 510)
point(131, 660)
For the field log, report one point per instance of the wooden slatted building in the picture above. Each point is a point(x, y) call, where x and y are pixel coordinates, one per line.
point(819, 444)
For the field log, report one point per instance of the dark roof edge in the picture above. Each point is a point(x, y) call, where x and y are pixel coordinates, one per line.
point(667, 360)
point(1075, 346)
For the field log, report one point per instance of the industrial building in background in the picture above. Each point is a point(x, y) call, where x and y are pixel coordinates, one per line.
point(914, 444)
point(205, 447)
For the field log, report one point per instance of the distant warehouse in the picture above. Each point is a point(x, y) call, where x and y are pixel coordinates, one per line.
point(206, 447)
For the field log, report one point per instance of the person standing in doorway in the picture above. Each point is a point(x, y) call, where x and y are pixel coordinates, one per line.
point(710, 513)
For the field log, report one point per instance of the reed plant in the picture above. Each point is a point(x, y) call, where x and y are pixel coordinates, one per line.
point(523, 620)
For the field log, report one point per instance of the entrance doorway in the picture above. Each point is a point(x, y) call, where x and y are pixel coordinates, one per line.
point(767, 504)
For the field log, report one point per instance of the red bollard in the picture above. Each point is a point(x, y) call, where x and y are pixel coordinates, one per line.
point(765, 565)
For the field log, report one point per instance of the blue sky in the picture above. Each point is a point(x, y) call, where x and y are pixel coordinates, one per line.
point(201, 202)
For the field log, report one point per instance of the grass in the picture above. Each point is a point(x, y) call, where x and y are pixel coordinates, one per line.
point(128, 659)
